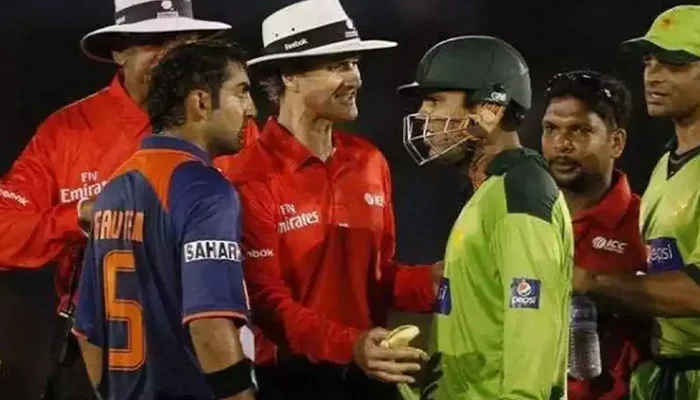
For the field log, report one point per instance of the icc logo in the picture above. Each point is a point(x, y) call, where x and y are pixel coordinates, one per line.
point(615, 246)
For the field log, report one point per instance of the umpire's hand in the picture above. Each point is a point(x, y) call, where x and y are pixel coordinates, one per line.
point(387, 365)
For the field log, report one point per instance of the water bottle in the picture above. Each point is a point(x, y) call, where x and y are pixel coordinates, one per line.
point(584, 354)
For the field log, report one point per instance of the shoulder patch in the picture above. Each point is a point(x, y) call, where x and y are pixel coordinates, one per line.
point(530, 190)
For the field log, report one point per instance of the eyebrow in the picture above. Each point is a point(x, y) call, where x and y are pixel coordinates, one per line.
point(241, 85)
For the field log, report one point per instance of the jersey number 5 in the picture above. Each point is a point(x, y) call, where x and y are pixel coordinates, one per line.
point(125, 311)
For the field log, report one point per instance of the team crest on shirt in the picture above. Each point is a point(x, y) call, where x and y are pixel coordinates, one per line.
point(525, 293)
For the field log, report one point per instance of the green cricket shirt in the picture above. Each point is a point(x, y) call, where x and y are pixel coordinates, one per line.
point(502, 316)
point(670, 226)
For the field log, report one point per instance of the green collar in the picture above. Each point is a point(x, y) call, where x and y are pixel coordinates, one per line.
point(507, 159)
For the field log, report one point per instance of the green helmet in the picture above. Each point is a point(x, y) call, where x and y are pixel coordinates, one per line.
point(488, 69)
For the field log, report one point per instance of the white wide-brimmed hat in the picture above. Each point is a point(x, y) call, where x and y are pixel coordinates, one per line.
point(312, 28)
point(145, 17)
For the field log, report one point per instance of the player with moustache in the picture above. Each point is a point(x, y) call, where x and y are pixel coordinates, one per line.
point(583, 135)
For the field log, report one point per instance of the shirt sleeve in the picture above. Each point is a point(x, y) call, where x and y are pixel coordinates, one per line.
point(692, 264)
point(89, 320)
point(531, 257)
point(34, 227)
point(206, 213)
point(409, 287)
point(282, 319)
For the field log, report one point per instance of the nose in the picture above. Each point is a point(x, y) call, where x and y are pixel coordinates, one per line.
point(562, 143)
point(425, 108)
point(250, 110)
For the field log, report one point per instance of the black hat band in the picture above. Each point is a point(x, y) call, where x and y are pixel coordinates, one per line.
point(154, 10)
point(324, 35)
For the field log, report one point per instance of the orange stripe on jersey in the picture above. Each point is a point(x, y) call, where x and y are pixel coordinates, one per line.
point(214, 314)
point(157, 167)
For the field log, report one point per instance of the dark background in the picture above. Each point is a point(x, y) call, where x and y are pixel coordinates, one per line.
point(43, 69)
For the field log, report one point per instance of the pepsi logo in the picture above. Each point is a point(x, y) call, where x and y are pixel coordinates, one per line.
point(524, 288)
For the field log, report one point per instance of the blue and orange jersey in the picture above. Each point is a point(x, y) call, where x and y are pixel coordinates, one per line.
point(163, 251)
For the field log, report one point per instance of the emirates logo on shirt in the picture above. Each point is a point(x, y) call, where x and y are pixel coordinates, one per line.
point(302, 220)
point(92, 186)
point(612, 245)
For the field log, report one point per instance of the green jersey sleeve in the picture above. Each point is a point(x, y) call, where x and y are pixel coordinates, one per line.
point(533, 251)
point(530, 253)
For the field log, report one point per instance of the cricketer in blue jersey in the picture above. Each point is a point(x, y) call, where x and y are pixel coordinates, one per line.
point(162, 309)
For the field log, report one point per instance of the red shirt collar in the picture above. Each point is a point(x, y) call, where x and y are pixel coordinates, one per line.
point(129, 110)
point(613, 207)
point(291, 151)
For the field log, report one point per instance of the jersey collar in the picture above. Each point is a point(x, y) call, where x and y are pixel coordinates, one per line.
point(613, 207)
point(506, 159)
point(159, 142)
point(672, 144)
point(128, 111)
point(291, 152)
point(676, 162)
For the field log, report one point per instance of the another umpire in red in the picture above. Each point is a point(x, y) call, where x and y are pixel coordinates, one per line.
point(66, 164)
point(318, 221)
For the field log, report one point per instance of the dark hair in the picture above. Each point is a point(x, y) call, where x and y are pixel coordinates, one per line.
point(603, 94)
point(199, 65)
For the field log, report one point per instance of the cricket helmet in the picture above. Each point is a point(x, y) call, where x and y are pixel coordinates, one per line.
point(486, 68)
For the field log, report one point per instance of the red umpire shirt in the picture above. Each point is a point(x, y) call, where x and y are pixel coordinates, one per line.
point(608, 241)
point(69, 159)
point(319, 242)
